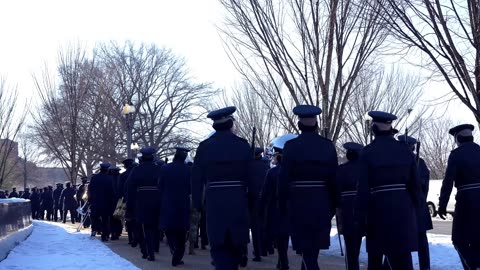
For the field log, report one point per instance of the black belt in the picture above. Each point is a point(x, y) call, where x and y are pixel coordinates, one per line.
point(308, 184)
point(226, 184)
point(147, 188)
point(469, 186)
point(385, 188)
point(349, 193)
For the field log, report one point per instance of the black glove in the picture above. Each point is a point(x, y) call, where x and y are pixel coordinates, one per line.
point(442, 213)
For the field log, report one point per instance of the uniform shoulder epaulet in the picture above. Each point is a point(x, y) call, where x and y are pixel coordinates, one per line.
point(205, 141)
point(366, 148)
point(241, 139)
point(290, 142)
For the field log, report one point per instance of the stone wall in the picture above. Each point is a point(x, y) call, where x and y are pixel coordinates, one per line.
point(15, 224)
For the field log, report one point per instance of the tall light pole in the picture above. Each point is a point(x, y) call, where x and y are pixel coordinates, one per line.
point(135, 148)
point(368, 123)
point(409, 111)
point(128, 111)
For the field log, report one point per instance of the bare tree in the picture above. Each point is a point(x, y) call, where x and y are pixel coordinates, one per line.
point(309, 52)
point(157, 82)
point(100, 125)
point(391, 90)
point(81, 124)
point(28, 155)
point(252, 112)
point(448, 34)
point(436, 145)
point(57, 126)
point(11, 122)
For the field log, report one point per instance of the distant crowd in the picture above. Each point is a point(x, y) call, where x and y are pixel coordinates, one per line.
point(49, 204)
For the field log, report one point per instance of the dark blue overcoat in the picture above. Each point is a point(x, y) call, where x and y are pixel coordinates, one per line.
point(47, 199)
point(388, 196)
point(307, 184)
point(347, 181)
point(35, 201)
point(275, 223)
point(100, 194)
point(143, 188)
point(463, 170)
point(122, 180)
point(56, 197)
point(424, 219)
point(174, 188)
point(68, 199)
point(260, 168)
point(222, 173)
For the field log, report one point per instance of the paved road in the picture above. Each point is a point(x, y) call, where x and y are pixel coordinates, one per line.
point(201, 260)
point(441, 227)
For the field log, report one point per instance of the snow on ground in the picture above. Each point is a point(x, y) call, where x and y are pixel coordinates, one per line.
point(11, 200)
point(59, 247)
point(10, 241)
point(56, 246)
point(442, 253)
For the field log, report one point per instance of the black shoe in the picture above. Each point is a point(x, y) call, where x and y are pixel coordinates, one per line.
point(144, 256)
point(195, 246)
point(151, 259)
point(271, 252)
point(134, 244)
point(177, 263)
point(257, 259)
point(104, 239)
point(244, 261)
point(114, 238)
point(204, 247)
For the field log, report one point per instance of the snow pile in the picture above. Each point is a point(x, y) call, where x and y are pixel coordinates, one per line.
point(10, 241)
point(58, 247)
point(442, 253)
point(13, 200)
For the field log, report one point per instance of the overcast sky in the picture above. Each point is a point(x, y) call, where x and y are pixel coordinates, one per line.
point(32, 31)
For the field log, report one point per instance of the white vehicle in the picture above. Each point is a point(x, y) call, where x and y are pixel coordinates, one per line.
point(433, 198)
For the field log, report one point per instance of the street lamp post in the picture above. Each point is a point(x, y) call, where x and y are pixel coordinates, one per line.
point(128, 111)
point(368, 122)
point(406, 121)
point(135, 148)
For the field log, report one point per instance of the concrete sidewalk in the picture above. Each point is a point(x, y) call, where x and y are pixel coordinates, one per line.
point(202, 260)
